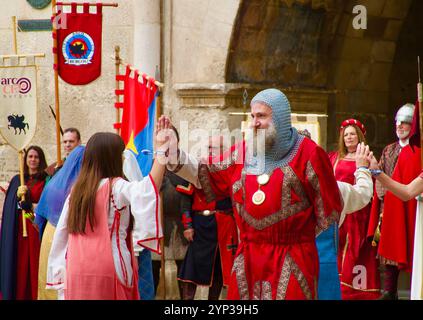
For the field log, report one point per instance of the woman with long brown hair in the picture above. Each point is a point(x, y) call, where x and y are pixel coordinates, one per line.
point(19, 255)
point(357, 263)
point(92, 255)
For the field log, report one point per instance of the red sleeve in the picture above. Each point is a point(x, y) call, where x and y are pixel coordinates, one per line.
point(215, 177)
point(322, 185)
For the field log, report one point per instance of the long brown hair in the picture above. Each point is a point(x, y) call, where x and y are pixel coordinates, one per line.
point(102, 159)
point(42, 164)
point(342, 150)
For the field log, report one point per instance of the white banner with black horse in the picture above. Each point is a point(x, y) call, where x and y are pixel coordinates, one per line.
point(18, 103)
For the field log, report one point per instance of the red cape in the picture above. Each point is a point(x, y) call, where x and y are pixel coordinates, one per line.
point(397, 237)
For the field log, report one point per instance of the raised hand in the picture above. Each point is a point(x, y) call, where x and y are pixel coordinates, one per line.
point(362, 155)
point(374, 165)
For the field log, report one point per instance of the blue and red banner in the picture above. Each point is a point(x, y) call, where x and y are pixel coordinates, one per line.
point(139, 112)
point(78, 44)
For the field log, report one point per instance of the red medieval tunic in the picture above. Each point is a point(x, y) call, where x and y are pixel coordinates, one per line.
point(356, 257)
point(28, 250)
point(277, 255)
point(397, 239)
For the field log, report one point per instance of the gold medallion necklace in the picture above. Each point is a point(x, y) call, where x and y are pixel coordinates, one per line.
point(259, 196)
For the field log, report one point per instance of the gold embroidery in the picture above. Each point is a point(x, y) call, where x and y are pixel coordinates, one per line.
point(283, 280)
point(266, 291)
point(225, 164)
point(236, 186)
point(241, 277)
point(203, 177)
point(333, 218)
point(290, 267)
point(257, 291)
point(262, 290)
point(322, 222)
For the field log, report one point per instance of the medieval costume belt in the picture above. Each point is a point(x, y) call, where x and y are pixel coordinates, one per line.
point(205, 212)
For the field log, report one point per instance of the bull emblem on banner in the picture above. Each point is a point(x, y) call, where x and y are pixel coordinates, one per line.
point(17, 122)
point(18, 108)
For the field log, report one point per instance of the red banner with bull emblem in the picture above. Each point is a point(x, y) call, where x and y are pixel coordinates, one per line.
point(78, 43)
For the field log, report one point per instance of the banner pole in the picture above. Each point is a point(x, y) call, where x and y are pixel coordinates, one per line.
point(15, 41)
point(117, 65)
point(162, 258)
point(162, 246)
point(22, 180)
point(20, 152)
point(56, 87)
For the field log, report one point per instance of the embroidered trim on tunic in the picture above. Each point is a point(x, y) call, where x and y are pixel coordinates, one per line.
point(241, 277)
point(237, 186)
point(225, 164)
point(333, 218)
point(262, 290)
point(384, 260)
point(257, 291)
point(323, 222)
point(290, 181)
point(266, 291)
point(290, 267)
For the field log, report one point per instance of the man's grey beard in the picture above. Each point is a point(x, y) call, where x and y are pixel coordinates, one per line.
point(270, 136)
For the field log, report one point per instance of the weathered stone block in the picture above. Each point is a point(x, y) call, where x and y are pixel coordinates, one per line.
point(396, 9)
point(383, 51)
point(356, 49)
point(393, 29)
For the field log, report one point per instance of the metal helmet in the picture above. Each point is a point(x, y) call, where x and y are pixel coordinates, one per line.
point(405, 113)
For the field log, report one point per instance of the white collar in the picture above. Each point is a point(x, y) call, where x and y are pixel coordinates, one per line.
point(403, 144)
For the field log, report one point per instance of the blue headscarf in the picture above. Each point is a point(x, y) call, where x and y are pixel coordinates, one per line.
point(57, 189)
point(286, 136)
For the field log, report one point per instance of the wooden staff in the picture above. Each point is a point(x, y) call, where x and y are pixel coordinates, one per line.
point(22, 180)
point(56, 88)
point(162, 246)
point(117, 97)
point(15, 41)
point(20, 152)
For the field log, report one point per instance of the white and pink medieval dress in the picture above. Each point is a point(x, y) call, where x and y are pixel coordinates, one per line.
point(100, 264)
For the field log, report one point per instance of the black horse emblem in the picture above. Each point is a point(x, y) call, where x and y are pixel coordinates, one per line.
point(17, 122)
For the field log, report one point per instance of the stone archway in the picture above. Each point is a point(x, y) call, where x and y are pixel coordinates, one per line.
point(311, 51)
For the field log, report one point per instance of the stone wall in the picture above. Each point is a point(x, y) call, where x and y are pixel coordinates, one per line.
point(89, 108)
point(300, 46)
point(196, 39)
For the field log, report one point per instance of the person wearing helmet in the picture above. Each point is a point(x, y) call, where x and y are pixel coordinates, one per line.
point(387, 164)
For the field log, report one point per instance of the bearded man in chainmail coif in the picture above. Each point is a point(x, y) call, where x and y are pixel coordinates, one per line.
point(283, 191)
